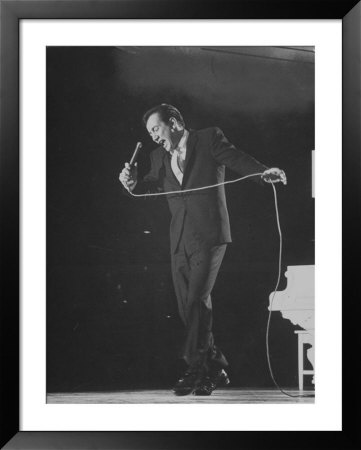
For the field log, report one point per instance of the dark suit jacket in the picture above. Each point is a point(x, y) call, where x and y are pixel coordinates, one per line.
point(201, 216)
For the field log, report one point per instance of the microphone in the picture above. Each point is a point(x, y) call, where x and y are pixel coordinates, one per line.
point(135, 154)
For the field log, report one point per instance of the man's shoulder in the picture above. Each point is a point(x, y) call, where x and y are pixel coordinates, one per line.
point(208, 132)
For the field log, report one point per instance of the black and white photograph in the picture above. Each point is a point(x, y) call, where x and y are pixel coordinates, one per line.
point(180, 224)
point(168, 278)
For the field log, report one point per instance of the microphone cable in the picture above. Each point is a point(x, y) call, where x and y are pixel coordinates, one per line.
point(271, 302)
point(194, 189)
point(279, 260)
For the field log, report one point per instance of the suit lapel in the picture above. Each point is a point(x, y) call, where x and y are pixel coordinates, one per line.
point(191, 143)
point(167, 163)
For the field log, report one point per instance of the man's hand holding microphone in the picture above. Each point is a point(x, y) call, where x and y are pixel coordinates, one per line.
point(129, 175)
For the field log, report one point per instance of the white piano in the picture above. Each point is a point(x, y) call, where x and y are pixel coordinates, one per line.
point(297, 304)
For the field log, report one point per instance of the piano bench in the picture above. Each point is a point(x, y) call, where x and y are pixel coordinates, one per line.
point(304, 337)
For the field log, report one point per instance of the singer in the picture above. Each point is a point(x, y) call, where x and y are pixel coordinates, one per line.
point(199, 229)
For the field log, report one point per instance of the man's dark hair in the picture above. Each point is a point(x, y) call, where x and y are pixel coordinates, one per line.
point(165, 112)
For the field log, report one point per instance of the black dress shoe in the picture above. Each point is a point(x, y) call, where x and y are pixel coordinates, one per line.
point(188, 383)
point(210, 382)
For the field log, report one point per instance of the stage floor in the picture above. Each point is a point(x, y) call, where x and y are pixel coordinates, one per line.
point(230, 395)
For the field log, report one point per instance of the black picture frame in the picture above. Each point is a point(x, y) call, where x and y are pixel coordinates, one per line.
point(12, 11)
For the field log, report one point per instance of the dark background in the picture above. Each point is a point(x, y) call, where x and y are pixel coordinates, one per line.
point(111, 312)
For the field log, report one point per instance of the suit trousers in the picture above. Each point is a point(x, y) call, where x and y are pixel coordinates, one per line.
point(194, 272)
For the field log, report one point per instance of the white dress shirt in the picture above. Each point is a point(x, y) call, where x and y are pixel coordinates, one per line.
point(179, 156)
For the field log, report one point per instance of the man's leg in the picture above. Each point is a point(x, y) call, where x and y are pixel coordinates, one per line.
point(194, 276)
point(204, 268)
point(180, 275)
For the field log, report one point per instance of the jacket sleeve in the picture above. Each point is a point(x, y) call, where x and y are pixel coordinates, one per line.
point(235, 159)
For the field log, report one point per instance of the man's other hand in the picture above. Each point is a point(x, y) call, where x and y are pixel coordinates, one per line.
point(274, 175)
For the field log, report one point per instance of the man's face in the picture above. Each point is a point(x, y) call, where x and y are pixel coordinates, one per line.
point(161, 132)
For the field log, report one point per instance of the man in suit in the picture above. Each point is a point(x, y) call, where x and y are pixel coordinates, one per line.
point(199, 230)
